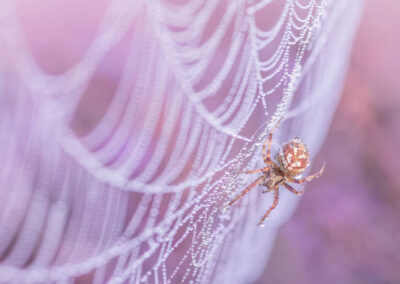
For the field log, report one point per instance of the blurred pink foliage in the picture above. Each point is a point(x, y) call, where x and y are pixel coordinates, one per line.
point(346, 229)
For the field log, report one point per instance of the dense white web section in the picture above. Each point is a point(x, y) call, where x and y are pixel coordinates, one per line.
point(127, 185)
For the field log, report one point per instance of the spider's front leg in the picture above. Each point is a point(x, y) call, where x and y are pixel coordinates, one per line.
point(263, 170)
point(276, 200)
point(267, 156)
point(247, 189)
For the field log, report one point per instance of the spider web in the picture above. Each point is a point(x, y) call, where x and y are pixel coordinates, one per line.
point(126, 185)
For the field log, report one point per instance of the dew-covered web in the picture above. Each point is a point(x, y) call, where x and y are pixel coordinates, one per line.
point(116, 169)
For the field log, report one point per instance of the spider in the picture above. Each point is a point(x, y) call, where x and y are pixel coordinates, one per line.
point(291, 161)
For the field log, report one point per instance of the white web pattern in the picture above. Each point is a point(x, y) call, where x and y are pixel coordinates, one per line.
point(133, 193)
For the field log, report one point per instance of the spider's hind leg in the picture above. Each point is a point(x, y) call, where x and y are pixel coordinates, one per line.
point(309, 178)
point(290, 188)
point(267, 190)
point(276, 200)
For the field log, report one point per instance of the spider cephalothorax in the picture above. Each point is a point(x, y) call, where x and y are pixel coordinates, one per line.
point(291, 161)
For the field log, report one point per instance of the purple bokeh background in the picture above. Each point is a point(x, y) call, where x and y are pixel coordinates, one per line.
point(346, 228)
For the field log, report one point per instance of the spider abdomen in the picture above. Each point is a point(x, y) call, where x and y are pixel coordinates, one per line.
point(293, 157)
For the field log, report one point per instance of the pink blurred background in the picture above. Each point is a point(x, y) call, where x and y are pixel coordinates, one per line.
point(347, 227)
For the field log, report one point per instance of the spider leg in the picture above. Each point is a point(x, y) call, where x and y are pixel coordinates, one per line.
point(267, 156)
point(263, 170)
point(246, 190)
point(276, 200)
point(309, 178)
point(267, 190)
point(290, 188)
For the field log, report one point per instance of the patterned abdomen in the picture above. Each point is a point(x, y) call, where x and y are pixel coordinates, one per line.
point(293, 157)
